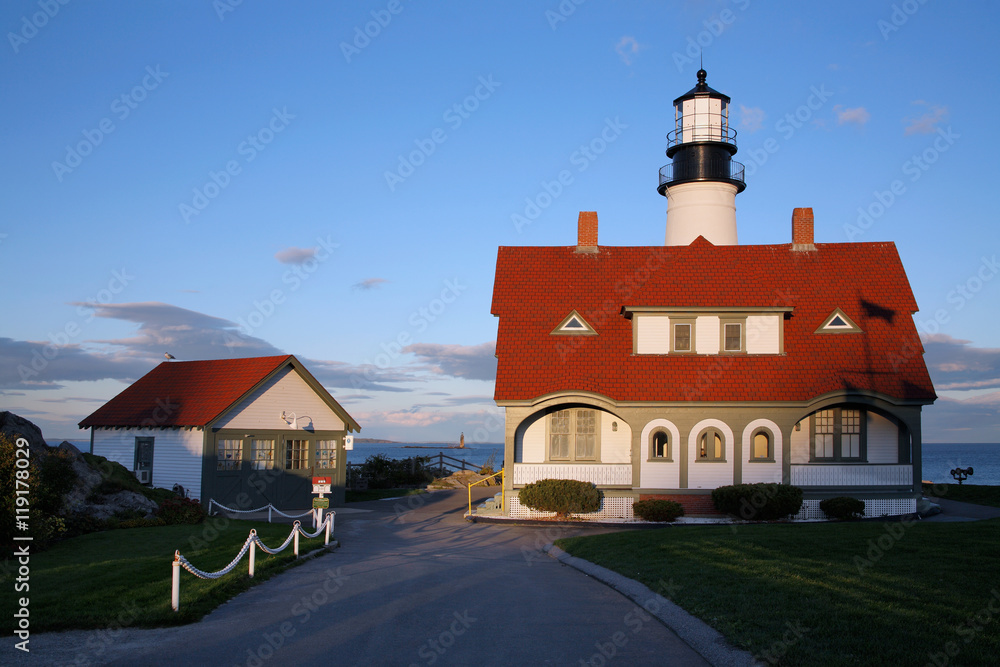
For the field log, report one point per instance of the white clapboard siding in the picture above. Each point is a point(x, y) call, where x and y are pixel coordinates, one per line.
point(652, 334)
point(599, 474)
point(883, 440)
point(800, 442)
point(285, 392)
point(706, 331)
point(825, 474)
point(616, 445)
point(177, 454)
point(763, 334)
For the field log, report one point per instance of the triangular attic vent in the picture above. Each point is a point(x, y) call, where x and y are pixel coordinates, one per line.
point(574, 324)
point(838, 322)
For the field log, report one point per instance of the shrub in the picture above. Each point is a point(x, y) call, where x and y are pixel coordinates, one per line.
point(180, 510)
point(563, 496)
point(843, 507)
point(758, 502)
point(657, 509)
point(381, 472)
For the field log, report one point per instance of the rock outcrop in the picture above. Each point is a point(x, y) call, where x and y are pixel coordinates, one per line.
point(81, 498)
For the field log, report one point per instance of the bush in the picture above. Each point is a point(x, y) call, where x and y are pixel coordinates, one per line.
point(180, 510)
point(563, 496)
point(843, 507)
point(657, 509)
point(381, 472)
point(758, 502)
point(142, 523)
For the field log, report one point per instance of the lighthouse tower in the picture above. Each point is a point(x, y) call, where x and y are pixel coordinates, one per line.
point(702, 181)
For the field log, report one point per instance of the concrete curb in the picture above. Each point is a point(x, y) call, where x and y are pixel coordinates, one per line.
point(697, 634)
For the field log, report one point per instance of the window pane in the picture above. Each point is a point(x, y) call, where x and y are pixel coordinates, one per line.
point(586, 446)
point(682, 337)
point(230, 453)
point(824, 446)
point(660, 450)
point(296, 454)
point(262, 454)
point(761, 446)
point(559, 434)
point(326, 454)
point(718, 446)
point(586, 434)
point(734, 341)
point(703, 446)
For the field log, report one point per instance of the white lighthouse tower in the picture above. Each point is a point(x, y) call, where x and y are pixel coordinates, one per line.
point(702, 181)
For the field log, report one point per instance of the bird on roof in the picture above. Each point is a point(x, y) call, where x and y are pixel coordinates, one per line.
point(168, 356)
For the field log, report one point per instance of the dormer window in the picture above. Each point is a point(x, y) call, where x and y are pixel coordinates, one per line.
point(668, 330)
point(838, 322)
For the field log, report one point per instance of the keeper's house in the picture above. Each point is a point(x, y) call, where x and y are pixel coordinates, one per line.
point(665, 372)
point(246, 432)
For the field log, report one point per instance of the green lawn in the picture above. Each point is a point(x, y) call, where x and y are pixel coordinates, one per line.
point(967, 493)
point(379, 494)
point(123, 576)
point(866, 593)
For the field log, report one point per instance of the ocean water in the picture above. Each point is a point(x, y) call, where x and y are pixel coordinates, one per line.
point(983, 458)
point(477, 454)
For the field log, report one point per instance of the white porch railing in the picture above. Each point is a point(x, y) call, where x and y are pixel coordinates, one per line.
point(601, 474)
point(826, 474)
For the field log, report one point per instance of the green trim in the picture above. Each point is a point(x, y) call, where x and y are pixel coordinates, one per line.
point(850, 328)
point(682, 321)
point(742, 322)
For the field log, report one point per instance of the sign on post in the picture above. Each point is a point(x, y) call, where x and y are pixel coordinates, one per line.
point(321, 503)
point(321, 484)
point(348, 443)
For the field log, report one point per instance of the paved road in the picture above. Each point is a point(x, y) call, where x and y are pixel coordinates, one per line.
point(412, 584)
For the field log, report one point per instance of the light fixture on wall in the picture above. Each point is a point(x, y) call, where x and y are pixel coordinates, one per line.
point(293, 421)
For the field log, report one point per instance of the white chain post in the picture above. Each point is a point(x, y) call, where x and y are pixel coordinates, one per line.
point(326, 541)
point(296, 539)
point(253, 555)
point(175, 588)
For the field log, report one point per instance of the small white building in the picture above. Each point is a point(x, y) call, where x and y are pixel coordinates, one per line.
point(246, 432)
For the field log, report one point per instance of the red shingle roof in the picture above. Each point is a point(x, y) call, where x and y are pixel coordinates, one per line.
point(536, 287)
point(184, 393)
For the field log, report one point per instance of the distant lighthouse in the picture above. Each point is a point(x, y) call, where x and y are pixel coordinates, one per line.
point(702, 181)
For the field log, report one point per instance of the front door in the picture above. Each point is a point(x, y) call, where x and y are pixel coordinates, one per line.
point(143, 466)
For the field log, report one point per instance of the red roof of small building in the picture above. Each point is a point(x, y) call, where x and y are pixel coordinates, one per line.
point(537, 287)
point(185, 393)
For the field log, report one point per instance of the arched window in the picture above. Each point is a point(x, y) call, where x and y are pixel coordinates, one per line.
point(659, 446)
point(762, 446)
point(711, 446)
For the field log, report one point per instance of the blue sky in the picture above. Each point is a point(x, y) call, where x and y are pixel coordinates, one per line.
point(332, 180)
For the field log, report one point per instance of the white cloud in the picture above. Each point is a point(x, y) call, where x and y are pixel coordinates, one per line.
point(627, 47)
point(955, 365)
point(751, 118)
point(370, 283)
point(857, 115)
point(927, 122)
point(295, 255)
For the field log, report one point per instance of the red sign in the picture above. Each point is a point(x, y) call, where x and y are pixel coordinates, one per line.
point(322, 480)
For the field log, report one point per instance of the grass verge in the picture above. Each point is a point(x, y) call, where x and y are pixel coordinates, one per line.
point(977, 494)
point(122, 577)
point(379, 494)
point(866, 593)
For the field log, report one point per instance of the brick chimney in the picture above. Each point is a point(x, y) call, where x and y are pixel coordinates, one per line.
point(586, 232)
point(802, 229)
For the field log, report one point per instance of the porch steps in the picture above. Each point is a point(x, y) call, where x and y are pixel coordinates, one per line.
point(490, 507)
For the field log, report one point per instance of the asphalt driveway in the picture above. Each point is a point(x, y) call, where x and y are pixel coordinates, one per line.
point(412, 584)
